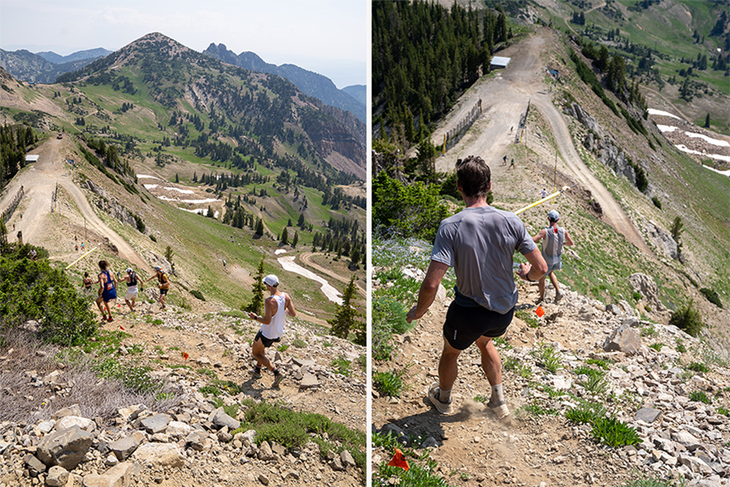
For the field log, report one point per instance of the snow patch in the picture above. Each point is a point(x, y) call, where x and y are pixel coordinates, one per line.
point(666, 128)
point(184, 191)
point(148, 177)
point(195, 202)
point(719, 157)
point(150, 186)
point(287, 263)
point(280, 251)
point(654, 111)
point(721, 143)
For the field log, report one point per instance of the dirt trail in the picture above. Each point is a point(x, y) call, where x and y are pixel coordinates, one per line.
point(504, 99)
point(38, 182)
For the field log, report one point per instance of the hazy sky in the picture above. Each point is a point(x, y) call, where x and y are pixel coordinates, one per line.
point(330, 37)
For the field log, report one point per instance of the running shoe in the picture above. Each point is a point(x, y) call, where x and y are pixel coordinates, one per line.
point(433, 396)
point(500, 409)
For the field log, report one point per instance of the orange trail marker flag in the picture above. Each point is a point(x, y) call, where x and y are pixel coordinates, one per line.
point(121, 327)
point(540, 312)
point(399, 460)
point(185, 355)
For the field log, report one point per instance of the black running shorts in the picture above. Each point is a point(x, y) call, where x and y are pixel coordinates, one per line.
point(266, 341)
point(464, 325)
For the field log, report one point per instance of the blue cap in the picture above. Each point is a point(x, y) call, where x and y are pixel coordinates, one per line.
point(553, 216)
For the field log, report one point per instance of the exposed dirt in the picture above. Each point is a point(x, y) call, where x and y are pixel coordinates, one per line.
point(39, 181)
point(475, 448)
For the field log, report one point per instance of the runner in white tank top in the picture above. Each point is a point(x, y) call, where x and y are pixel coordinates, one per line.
point(276, 306)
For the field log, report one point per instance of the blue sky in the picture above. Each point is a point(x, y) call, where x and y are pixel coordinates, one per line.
point(330, 37)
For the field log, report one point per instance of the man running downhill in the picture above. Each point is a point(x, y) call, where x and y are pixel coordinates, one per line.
point(276, 306)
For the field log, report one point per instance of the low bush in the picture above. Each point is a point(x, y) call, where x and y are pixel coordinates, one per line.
point(389, 383)
point(712, 296)
point(197, 294)
point(688, 319)
point(614, 433)
point(33, 290)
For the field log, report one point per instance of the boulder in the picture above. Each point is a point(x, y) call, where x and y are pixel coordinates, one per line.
point(159, 455)
point(57, 476)
point(221, 419)
point(69, 421)
point(156, 423)
point(65, 448)
point(117, 476)
point(623, 339)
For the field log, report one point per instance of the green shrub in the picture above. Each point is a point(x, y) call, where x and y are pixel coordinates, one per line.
point(342, 365)
point(657, 346)
point(586, 413)
point(688, 319)
point(388, 383)
point(275, 422)
point(656, 202)
point(548, 357)
point(711, 296)
point(299, 343)
point(33, 290)
point(197, 294)
point(697, 367)
point(699, 396)
point(614, 433)
point(527, 317)
point(654, 482)
point(407, 210)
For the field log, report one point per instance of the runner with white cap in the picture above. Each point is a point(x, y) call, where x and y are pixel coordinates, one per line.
point(552, 247)
point(134, 285)
point(276, 306)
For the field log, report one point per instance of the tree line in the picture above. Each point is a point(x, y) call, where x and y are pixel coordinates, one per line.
point(14, 140)
point(424, 56)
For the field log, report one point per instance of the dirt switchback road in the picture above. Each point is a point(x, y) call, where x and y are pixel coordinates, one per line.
point(39, 181)
point(504, 99)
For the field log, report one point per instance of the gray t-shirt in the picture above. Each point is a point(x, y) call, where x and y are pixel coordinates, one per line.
point(479, 244)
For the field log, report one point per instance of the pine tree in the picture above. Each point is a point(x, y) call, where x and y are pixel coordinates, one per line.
point(295, 241)
point(345, 319)
point(284, 237)
point(177, 179)
point(260, 227)
point(257, 301)
point(707, 121)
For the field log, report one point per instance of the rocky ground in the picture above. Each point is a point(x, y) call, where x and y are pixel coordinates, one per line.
point(648, 388)
point(185, 441)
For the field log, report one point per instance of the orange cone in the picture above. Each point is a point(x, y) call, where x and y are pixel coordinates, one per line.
point(399, 460)
point(540, 312)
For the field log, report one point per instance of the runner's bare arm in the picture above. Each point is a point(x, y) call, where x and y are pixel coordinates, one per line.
point(568, 240)
point(535, 261)
point(539, 236)
point(429, 288)
point(290, 307)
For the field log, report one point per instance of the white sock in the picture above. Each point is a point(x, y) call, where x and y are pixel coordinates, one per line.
point(444, 396)
point(497, 394)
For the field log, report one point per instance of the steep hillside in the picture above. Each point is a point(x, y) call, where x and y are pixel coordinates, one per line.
point(627, 186)
point(678, 49)
point(310, 83)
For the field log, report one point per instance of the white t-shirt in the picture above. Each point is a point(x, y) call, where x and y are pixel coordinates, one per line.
point(275, 329)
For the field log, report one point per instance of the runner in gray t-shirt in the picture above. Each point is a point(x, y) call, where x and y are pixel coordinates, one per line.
point(479, 243)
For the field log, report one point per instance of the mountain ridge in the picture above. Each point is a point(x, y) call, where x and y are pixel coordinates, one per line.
point(309, 82)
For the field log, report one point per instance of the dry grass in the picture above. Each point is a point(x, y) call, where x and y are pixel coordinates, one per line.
point(23, 399)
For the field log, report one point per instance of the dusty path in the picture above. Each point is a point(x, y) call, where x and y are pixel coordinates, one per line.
point(504, 99)
point(39, 181)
